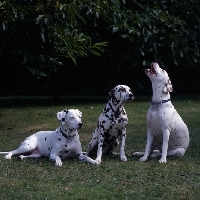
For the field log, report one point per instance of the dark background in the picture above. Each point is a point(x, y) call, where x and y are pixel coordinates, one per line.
point(136, 33)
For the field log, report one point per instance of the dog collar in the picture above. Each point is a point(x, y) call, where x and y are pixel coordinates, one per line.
point(63, 133)
point(159, 102)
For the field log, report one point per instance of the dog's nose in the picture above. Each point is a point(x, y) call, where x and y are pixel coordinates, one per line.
point(80, 125)
point(131, 96)
point(154, 62)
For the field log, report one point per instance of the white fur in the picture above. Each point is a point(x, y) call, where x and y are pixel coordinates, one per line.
point(166, 130)
point(61, 143)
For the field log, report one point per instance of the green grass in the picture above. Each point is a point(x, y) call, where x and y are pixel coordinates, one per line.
point(112, 179)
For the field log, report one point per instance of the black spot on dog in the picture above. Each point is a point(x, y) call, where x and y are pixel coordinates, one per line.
point(59, 139)
point(45, 138)
point(122, 89)
point(106, 116)
point(119, 132)
point(123, 112)
point(65, 111)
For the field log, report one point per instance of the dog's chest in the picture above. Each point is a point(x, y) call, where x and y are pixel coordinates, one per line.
point(158, 118)
point(112, 123)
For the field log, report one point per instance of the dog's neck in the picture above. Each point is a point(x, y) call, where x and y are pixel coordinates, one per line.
point(65, 131)
point(116, 106)
point(158, 93)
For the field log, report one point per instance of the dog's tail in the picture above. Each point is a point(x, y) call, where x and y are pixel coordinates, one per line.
point(4, 152)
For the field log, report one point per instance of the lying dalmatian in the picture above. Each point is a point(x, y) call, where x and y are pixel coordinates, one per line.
point(166, 130)
point(111, 125)
point(62, 143)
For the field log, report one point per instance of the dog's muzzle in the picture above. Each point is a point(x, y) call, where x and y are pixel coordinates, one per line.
point(80, 125)
point(131, 96)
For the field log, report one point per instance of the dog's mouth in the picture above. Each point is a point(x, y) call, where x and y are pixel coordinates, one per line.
point(131, 97)
point(152, 70)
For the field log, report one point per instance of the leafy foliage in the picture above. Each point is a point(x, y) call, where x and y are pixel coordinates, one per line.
point(54, 39)
point(40, 32)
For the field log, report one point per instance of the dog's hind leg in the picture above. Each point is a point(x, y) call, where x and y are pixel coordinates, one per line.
point(155, 154)
point(138, 154)
point(34, 154)
point(29, 144)
point(92, 146)
point(176, 152)
point(84, 158)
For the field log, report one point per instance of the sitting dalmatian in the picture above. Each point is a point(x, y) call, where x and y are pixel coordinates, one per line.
point(111, 125)
point(62, 143)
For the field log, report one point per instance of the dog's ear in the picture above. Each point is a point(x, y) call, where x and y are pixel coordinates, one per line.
point(62, 116)
point(168, 87)
point(79, 112)
point(111, 93)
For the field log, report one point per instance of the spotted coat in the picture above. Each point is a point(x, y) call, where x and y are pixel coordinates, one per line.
point(111, 125)
point(62, 143)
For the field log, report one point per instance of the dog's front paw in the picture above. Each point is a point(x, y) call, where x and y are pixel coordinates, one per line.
point(98, 160)
point(123, 158)
point(163, 160)
point(58, 162)
point(8, 157)
point(144, 158)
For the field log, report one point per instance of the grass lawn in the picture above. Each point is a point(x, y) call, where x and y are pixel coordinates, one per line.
point(112, 179)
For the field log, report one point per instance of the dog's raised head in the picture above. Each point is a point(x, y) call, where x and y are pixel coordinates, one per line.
point(121, 93)
point(70, 118)
point(159, 76)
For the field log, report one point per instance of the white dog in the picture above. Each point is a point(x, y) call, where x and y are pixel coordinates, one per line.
point(111, 124)
point(61, 143)
point(166, 130)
